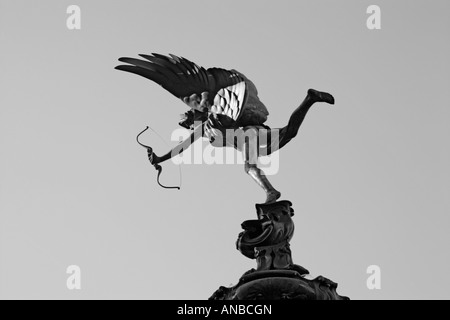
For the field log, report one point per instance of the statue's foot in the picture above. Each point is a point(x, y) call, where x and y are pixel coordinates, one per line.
point(273, 196)
point(319, 96)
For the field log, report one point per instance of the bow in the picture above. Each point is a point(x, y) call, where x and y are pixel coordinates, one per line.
point(156, 165)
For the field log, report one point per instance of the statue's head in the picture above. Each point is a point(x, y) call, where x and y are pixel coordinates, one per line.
point(190, 117)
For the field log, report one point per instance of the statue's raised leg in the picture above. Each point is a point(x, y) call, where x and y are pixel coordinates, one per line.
point(287, 133)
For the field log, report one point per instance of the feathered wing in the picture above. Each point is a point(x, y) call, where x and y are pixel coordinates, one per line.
point(183, 78)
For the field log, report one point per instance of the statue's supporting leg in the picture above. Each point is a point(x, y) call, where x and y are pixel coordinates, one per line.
point(261, 179)
point(288, 132)
point(250, 150)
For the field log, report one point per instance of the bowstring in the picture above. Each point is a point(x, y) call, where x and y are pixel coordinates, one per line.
point(179, 166)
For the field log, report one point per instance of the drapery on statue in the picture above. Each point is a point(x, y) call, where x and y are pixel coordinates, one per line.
point(222, 100)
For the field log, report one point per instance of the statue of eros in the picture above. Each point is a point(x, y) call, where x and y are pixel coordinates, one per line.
point(224, 108)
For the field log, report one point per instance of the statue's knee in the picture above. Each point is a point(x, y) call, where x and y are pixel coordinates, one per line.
point(290, 133)
point(251, 131)
point(249, 168)
point(250, 138)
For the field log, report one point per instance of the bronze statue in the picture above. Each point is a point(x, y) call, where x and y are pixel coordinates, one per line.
point(225, 108)
point(222, 100)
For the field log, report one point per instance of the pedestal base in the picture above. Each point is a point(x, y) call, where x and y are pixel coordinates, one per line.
point(279, 285)
point(276, 276)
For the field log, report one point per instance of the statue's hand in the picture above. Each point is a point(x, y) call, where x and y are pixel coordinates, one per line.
point(199, 103)
point(152, 157)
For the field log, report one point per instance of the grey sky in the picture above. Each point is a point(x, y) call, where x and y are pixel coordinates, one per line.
point(368, 177)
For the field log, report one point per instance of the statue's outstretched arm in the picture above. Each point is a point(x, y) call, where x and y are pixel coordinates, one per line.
point(184, 145)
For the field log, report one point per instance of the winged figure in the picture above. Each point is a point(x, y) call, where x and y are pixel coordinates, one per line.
point(221, 101)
